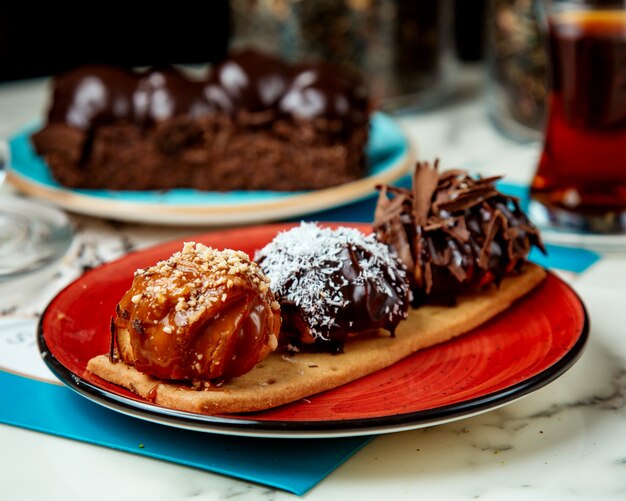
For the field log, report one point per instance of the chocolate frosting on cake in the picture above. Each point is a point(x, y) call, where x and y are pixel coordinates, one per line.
point(247, 81)
point(454, 232)
point(332, 284)
point(254, 123)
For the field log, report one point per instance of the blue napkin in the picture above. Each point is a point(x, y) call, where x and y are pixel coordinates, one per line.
point(293, 465)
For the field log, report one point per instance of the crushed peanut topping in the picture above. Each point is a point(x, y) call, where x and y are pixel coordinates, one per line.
point(213, 272)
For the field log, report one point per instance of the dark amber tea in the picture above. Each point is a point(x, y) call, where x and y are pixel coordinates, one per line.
point(581, 178)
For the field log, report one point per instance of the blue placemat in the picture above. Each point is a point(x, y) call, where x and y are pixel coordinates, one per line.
point(292, 465)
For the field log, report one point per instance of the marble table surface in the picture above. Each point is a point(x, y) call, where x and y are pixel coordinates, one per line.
point(565, 441)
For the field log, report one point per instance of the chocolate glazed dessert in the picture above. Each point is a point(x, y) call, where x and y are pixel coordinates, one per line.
point(333, 284)
point(257, 123)
point(454, 233)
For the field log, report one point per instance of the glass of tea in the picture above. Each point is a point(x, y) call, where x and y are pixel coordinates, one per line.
point(580, 182)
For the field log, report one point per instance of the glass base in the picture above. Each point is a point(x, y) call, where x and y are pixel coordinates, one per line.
point(33, 236)
point(602, 233)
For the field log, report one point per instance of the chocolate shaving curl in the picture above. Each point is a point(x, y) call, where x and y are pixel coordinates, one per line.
point(457, 233)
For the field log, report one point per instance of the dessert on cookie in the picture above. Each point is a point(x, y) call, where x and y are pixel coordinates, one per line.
point(454, 233)
point(200, 316)
point(333, 284)
point(212, 332)
point(331, 348)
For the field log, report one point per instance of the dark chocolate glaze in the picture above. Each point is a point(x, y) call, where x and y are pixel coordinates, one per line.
point(455, 234)
point(163, 93)
point(370, 305)
point(247, 81)
point(93, 95)
point(322, 91)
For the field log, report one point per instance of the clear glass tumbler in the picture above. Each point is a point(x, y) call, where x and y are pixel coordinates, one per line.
point(33, 238)
point(580, 182)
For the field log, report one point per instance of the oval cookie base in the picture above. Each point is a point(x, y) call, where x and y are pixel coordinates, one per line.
point(280, 378)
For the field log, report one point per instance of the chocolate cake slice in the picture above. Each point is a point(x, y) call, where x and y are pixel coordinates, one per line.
point(256, 123)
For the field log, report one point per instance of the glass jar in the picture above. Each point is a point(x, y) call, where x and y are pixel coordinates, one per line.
point(403, 48)
point(516, 68)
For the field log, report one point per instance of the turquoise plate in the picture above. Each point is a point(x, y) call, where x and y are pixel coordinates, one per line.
point(388, 152)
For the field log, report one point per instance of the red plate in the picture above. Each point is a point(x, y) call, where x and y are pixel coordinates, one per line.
point(519, 351)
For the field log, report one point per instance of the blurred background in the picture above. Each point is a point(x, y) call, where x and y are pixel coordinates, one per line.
point(48, 39)
point(410, 51)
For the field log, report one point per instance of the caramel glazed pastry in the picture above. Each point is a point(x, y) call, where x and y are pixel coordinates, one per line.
point(455, 234)
point(254, 123)
point(202, 315)
point(333, 284)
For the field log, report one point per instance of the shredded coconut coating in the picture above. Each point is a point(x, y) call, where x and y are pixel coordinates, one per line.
point(307, 268)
